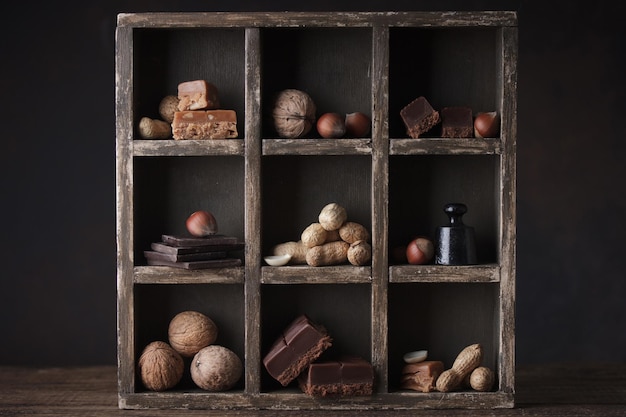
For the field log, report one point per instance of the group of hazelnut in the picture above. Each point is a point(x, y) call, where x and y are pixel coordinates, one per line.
point(191, 334)
point(294, 115)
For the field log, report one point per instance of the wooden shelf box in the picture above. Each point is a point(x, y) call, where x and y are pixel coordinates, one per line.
point(265, 190)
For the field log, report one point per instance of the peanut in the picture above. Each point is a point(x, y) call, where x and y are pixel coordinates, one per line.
point(359, 253)
point(167, 107)
point(297, 250)
point(154, 129)
point(481, 379)
point(466, 361)
point(331, 253)
point(314, 235)
point(351, 232)
point(332, 216)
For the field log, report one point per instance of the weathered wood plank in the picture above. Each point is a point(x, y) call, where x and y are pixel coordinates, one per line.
point(440, 146)
point(317, 146)
point(188, 147)
point(444, 273)
point(342, 274)
point(167, 275)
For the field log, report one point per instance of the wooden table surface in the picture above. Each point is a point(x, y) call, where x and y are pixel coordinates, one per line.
point(554, 390)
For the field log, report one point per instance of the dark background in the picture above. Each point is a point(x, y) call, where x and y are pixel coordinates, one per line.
point(58, 285)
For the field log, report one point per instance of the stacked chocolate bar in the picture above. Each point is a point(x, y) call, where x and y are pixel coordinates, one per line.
point(214, 251)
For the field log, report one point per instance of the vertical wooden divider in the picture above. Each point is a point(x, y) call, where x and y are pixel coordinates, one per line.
point(380, 190)
point(252, 228)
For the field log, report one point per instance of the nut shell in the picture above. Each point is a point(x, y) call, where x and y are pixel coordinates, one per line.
point(216, 368)
point(160, 366)
point(293, 113)
point(332, 216)
point(482, 379)
point(190, 331)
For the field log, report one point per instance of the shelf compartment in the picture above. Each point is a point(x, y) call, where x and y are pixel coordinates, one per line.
point(456, 67)
point(332, 65)
point(444, 273)
point(343, 274)
point(296, 188)
point(169, 189)
point(420, 187)
point(442, 318)
point(156, 305)
point(348, 322)
point(163, 58)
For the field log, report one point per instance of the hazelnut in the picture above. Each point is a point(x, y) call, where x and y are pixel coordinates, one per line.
point(190, 331)
point(160, 366)
point(216, 368)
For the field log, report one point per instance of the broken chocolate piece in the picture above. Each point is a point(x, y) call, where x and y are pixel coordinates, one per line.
point(300, 344)
point(419, 117)
point(200, 124)
point(197, 95)
point(457, 122)
point(346, 376)
point(421, 376)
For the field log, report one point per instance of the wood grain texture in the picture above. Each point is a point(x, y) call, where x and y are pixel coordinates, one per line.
point(583, 389)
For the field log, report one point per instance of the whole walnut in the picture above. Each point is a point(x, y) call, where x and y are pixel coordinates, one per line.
point(160, 366)
point(216, 368)
point(190, 331)
point(293, 113)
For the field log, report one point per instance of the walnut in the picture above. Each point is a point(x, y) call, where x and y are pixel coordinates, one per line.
point(190, 331)
point(160, 366)
point(293, 113)
point(216, 368)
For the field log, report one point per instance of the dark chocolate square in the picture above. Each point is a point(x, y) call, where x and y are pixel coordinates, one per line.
point(419, 117)
point(457, 122)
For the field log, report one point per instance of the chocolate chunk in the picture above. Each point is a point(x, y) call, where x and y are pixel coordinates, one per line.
point(346, 376)
point(421, 376)
point(419, 117)
point(457, 122)
point(197, 95)
point(300, 344)
point(200, 125)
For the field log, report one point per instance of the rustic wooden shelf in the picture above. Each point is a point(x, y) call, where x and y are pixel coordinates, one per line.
point(265, 190)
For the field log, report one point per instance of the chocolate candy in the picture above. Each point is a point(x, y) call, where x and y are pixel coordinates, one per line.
point(421, 376)
point(200, 124)
point(419, 117)
point(457, 122)
point(197, 95)
point(346, 376)
point(300, 344)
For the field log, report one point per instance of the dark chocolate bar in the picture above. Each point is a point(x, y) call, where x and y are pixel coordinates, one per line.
point(187, 241)
point(346, 376)
point(182, 250)
point(215, 263)
point(301, 343)
point(199, 256)
point(457, 122)
point(419, 117)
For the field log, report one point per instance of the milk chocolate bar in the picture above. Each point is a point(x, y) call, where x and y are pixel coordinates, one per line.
point(197, 95)
point(421, 376)
point(419, 117)
point(457, 122)
point(346, 376)
point(201, 124)
point(300, 344)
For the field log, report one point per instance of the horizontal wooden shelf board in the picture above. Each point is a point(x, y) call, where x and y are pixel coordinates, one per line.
point(317, 146)
point(169, 275)
point(293, 400)
point(444, 273)
point(317, 19)
point(171, 147)
point(342, 274)
point(444, 146)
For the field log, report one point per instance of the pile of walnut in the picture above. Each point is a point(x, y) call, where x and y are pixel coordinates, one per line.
point(191, 334)
point(332, 240)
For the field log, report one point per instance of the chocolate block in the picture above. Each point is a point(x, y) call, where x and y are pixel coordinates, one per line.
point(215, 263)
point(197, 95)
point(200, 124)
point(346, 376)
point(301, 343)
point(457, 122)
point(198, 241)
point(421, 376)
point(198, 256)
point(184, 250)
point(419, 117)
